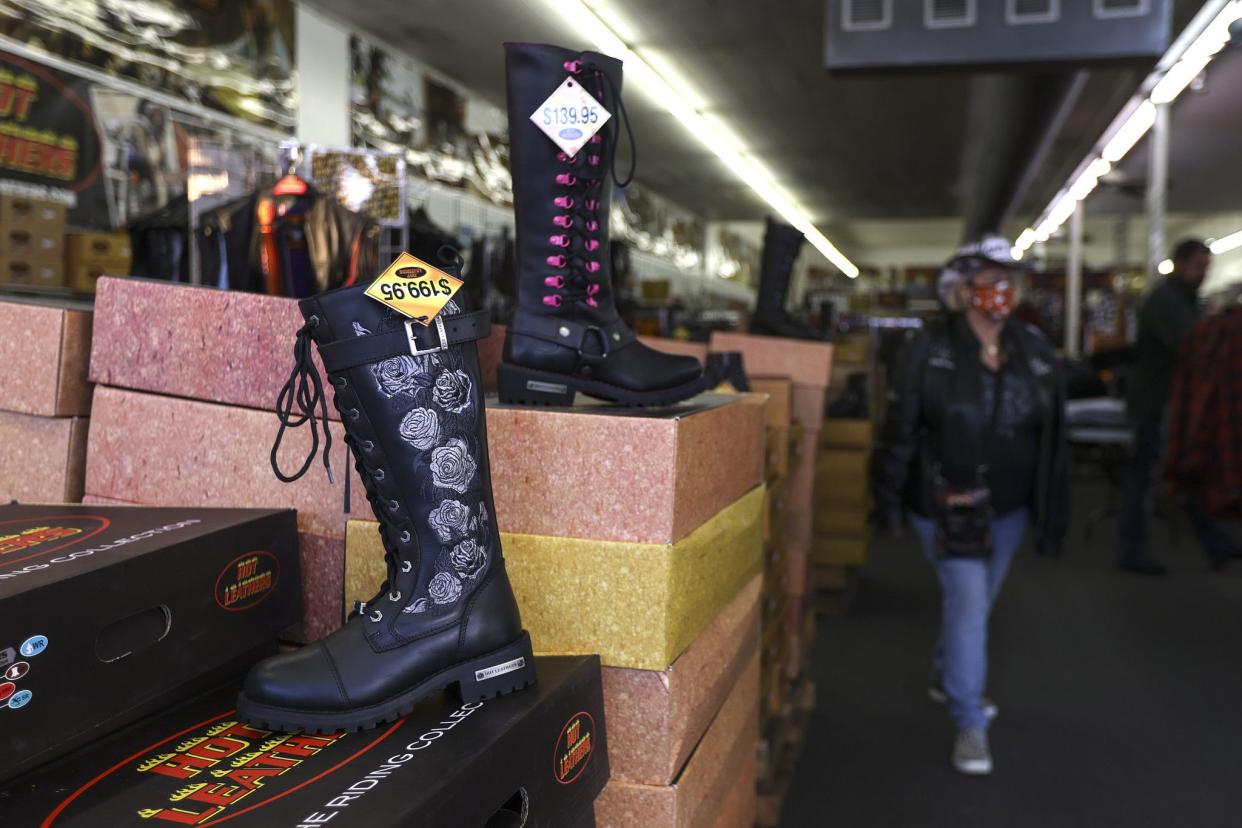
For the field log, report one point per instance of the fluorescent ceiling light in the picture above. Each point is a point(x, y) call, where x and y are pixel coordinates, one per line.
point(1184, 61)
point(1223, 245)
point(1165, 267)
point(598, 26)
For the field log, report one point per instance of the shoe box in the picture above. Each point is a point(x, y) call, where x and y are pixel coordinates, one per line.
point(31, 242)
point(109, 613)
point(538, 757)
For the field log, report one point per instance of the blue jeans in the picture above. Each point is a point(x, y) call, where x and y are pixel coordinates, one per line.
point(969, 587)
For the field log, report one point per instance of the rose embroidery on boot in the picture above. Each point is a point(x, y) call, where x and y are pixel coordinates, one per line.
point(452, 391)
point(449, 519)
point(398, 375)
point(452, 467)
point(418, 606)
point(444, 588)
point(480, 524)
point(421, 428)
point(468, 558)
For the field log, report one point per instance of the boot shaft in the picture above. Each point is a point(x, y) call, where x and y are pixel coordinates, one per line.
point(561, 203)
point(413, 417)
point(781, 245)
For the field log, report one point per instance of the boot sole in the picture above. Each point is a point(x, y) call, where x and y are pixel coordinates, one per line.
point(498, 673)
point(525, 386)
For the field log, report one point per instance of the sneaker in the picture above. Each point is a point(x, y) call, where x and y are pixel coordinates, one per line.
point(935, 692)
point(970, 752)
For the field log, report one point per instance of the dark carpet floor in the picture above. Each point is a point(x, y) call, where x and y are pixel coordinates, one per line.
point(1120, 699)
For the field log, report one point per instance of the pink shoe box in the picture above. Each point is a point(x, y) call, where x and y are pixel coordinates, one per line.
point(194, 342)
point(680, 347)
point(656, 717)
point(806, 362)
point(799, 512)
point(623, 474)
point(44, 349)
point(42, 459)
point(694, 798)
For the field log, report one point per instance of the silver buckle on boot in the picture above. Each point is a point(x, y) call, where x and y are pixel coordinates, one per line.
point(413, 338)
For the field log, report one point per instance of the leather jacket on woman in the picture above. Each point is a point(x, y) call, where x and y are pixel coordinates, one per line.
point(937, 422)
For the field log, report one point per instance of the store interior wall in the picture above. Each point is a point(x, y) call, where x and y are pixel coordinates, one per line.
point(323, 79)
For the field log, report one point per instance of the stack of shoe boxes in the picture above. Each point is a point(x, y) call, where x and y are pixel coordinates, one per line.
point(88, 256)
point(45, 400)
point(808, 364)
point(31, 239)
point(187, 380)
point(778, 391)
point(637, 534)
point(842, 519)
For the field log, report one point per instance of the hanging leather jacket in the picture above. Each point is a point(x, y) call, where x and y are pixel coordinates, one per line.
point(935, 421)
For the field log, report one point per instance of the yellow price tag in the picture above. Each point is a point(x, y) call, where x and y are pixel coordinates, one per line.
point(414, 288)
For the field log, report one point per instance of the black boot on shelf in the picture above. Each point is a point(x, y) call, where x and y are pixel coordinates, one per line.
point(566, 335)
point(781, 243)
point(727, 367)
point(412, 408)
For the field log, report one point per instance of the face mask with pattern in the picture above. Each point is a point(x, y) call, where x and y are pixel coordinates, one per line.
point(996, 300)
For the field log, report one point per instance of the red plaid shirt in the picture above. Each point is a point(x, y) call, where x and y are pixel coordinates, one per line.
point(1205, 415)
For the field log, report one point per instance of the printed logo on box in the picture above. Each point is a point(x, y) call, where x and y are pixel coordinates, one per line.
point(574, 748)
point(27, 538)
point(247, 581)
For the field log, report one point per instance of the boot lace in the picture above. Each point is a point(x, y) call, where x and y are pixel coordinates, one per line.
point(574, 269)
point(305, 388)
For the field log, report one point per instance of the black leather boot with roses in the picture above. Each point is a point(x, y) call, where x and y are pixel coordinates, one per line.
point(412, 407)
point(566, 335)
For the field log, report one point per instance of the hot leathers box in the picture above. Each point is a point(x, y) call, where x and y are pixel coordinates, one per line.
point(108, 613)
point(537, 757)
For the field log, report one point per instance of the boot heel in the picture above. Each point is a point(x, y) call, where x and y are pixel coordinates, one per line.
point(504, 671)
point(517, 386)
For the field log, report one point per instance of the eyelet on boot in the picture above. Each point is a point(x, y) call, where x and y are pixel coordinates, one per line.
point(406, 566)
point(394, 596)
point(340, 382)
point(377, 616)
point(378, 474)
point(405, 538)
point(394, 505)
point(353, 413)
point(367, 445)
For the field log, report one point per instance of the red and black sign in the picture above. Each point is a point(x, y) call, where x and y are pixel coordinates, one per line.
point(48, 134)
point(574, 748)
point(28, 538)
point(247, 581)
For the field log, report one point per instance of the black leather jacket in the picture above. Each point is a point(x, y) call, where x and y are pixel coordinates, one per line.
point(930, 379)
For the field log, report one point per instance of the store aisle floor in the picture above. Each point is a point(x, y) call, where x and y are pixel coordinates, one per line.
point(1120, 700)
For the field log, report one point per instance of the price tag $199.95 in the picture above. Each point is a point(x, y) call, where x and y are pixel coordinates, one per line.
point(414, 288)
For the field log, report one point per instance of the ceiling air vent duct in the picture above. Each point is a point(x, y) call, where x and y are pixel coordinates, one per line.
point(948, 14)
point(866, 15)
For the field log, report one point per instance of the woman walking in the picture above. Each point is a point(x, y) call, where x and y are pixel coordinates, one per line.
point(974, 451)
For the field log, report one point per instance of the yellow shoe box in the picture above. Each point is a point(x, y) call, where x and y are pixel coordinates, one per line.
point(637, 605)
point(840, 550)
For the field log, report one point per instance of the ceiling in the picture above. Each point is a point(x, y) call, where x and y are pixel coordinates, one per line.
point(897, 146)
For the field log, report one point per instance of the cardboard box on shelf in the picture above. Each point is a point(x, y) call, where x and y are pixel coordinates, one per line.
point(853, 351)
point(84, 277)
point(623, 474)
point(847, 433)
point(42, 459)
point(97, 249)
point(539, 755)
point(681, 347)
point(779, 413)
point(841, 519)
point(843, 477)
point(808, 403)
point(646, 602)
point(20, 271)
point(162, 600)
point(717, 762)
point(491, 354)
point(804, 361)
point(799, 512)
point(45, 349)
point(45, 217)
point(841, 550)
point(29, 242)
point(240, 354)
point(657, 717)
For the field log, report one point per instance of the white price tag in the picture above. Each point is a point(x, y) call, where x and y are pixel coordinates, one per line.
point(570, 116)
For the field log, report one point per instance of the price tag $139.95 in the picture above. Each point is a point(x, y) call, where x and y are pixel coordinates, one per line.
point(414, 288)
point(570, 116)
